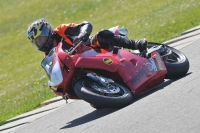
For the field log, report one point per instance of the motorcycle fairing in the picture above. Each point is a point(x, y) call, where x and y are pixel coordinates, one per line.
point(156, 72)
point(137, 72)
point(52, 67)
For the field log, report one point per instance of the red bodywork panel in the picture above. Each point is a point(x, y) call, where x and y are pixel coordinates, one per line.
point(140, 74)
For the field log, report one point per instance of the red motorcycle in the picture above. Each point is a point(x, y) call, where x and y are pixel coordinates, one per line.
point(109, 78)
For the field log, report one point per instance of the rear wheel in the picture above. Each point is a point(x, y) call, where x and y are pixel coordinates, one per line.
point(110, 96)
point(176, 63)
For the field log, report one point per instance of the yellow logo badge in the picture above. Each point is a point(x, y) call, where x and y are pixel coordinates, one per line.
point(107, 61)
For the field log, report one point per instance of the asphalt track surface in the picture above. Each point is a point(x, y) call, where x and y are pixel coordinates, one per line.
point(172, 107)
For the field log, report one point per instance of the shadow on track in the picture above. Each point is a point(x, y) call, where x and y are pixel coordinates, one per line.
point(89, 117)
point(96, 114)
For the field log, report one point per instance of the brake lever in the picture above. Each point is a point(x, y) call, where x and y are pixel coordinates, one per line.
point(72, 49)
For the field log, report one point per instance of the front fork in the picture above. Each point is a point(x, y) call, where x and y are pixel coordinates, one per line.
point(104, 81)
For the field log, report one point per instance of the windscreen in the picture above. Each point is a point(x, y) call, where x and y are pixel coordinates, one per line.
point(52, 67)
point(47, 62)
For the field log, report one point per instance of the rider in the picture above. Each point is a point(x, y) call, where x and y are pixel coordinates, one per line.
point(44, 38)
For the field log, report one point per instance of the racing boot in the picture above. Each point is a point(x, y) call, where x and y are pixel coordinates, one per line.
point(141, 45)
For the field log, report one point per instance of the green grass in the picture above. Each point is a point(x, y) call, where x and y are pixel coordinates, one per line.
point(23, 83)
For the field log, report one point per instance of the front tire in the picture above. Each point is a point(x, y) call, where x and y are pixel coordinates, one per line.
point(176, 63)
point(114, 96)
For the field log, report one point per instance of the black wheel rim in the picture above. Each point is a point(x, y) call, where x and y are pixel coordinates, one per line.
point(112, 90)
point(172, 58)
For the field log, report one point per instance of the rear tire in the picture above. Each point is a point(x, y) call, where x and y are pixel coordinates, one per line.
point(98, 96)
point(177, 63)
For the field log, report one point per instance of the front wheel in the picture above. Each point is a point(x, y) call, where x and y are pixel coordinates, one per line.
point(110, 96)
point(176, 63)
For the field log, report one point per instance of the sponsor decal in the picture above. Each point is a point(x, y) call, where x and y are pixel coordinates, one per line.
point(138, 77)
point(32, 33)
point(50, 63)
point(107, 61)
point(151, 65)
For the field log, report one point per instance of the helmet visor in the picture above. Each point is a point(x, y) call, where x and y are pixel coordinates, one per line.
point(45, 30)
point(40, 41)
